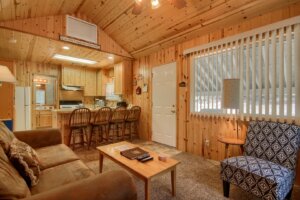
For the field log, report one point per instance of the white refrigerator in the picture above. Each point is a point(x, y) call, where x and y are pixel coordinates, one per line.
point(23, 109)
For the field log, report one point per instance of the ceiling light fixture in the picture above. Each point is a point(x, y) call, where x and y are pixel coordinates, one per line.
point(74, 59)
point(65, 47)
point(155, 4)
point(140, 4)
point(110, 57)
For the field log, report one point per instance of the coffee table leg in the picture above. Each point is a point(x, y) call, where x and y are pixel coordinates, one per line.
point(100, 162)
point(173, 181)
point(147, 189)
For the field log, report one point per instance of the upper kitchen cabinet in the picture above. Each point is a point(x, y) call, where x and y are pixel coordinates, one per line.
point(73, 76)
point(123, 78)
point(90, 87)
point(102, 78)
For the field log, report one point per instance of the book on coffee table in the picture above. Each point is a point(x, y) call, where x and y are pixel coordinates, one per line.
point(133, 153)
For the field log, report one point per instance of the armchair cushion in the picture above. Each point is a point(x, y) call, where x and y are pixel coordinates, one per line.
point(273, 141)
point(262, 178)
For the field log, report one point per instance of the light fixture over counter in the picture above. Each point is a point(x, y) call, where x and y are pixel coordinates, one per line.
point(139, 5)
point(74, 59)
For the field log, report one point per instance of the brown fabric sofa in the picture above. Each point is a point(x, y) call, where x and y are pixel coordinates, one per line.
point(63, 175)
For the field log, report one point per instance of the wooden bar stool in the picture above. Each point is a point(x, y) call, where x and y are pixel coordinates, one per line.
point(132, 120)
point(117, 123)
point(100, 126)
point(78, 123)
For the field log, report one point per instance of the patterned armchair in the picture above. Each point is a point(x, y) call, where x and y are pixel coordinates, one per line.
point(267, 168)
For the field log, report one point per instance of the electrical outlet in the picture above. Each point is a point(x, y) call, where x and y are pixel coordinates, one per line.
point(206, 142)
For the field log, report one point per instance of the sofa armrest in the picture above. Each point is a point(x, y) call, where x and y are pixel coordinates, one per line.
point(40, 138)
point(113, 185)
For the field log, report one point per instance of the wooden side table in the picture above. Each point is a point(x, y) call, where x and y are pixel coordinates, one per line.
point(231, 141)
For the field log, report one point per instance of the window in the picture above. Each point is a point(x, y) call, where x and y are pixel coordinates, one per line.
point(266, 65)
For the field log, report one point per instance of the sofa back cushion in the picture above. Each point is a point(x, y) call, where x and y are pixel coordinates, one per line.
point(273, 141)
point(6, 137)
point(12, 185)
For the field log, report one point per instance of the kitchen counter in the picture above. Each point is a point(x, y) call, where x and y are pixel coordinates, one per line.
point(69, 110)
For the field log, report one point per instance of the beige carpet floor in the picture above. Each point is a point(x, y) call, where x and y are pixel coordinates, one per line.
point(197, 178)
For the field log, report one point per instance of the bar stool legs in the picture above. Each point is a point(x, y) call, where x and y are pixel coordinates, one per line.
point(78, 133)
point(99, 134)
point(132, 127)
point(117, 130)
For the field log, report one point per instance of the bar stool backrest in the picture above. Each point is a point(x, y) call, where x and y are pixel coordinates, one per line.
point(80, 117)
point(134, 113)
point(119, 114)
point(103, 115)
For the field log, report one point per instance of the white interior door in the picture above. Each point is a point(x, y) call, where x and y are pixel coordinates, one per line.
point(164, 104)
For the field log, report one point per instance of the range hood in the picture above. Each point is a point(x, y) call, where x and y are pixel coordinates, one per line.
point(71, 88)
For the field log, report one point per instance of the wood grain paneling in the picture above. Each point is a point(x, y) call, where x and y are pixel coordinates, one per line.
point(195, 134)
point(41, 50)
point(147, 32)
point(54, 26)
point(166, 26)
point(7, 93)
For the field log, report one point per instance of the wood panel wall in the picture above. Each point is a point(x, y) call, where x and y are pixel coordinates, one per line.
point(198, 135)
point(54, 26)
point(7, 93)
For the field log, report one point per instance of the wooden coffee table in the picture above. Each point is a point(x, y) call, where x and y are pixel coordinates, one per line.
point(145, 171)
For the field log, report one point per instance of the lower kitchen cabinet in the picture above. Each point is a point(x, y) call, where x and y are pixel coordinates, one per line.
point(43, 119)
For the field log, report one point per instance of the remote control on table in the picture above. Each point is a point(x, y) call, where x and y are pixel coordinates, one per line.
point(141, 157)
point(146, 159)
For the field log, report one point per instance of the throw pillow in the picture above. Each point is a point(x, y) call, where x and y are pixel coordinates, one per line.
point(25, 160)
point(12, 185)
point(6, 137)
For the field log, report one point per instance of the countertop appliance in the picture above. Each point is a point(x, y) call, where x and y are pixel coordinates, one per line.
point(122, 104)
point(70, 104)
point(100, 102)
point(23, 108)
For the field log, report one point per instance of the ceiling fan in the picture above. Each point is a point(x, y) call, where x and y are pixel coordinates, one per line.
point(139, 4)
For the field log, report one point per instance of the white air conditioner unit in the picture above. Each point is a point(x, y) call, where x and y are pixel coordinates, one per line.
point(81, 29)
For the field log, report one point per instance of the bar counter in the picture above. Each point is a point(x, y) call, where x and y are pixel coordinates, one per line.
point(60, 120)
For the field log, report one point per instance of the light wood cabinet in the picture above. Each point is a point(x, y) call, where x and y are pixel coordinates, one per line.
point(90, 87)
point(43, 119)
point(123, 78)
point(73, 76)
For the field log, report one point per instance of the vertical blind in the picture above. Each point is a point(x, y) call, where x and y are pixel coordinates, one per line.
point(265, 60)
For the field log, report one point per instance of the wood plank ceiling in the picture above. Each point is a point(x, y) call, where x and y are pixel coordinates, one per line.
point(41, 50)
point(152, 29)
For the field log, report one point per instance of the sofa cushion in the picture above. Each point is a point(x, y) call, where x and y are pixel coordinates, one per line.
point(61, 175)
point(12, 185)
point(6, 136)
point(25, 160)
point(55, 155)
